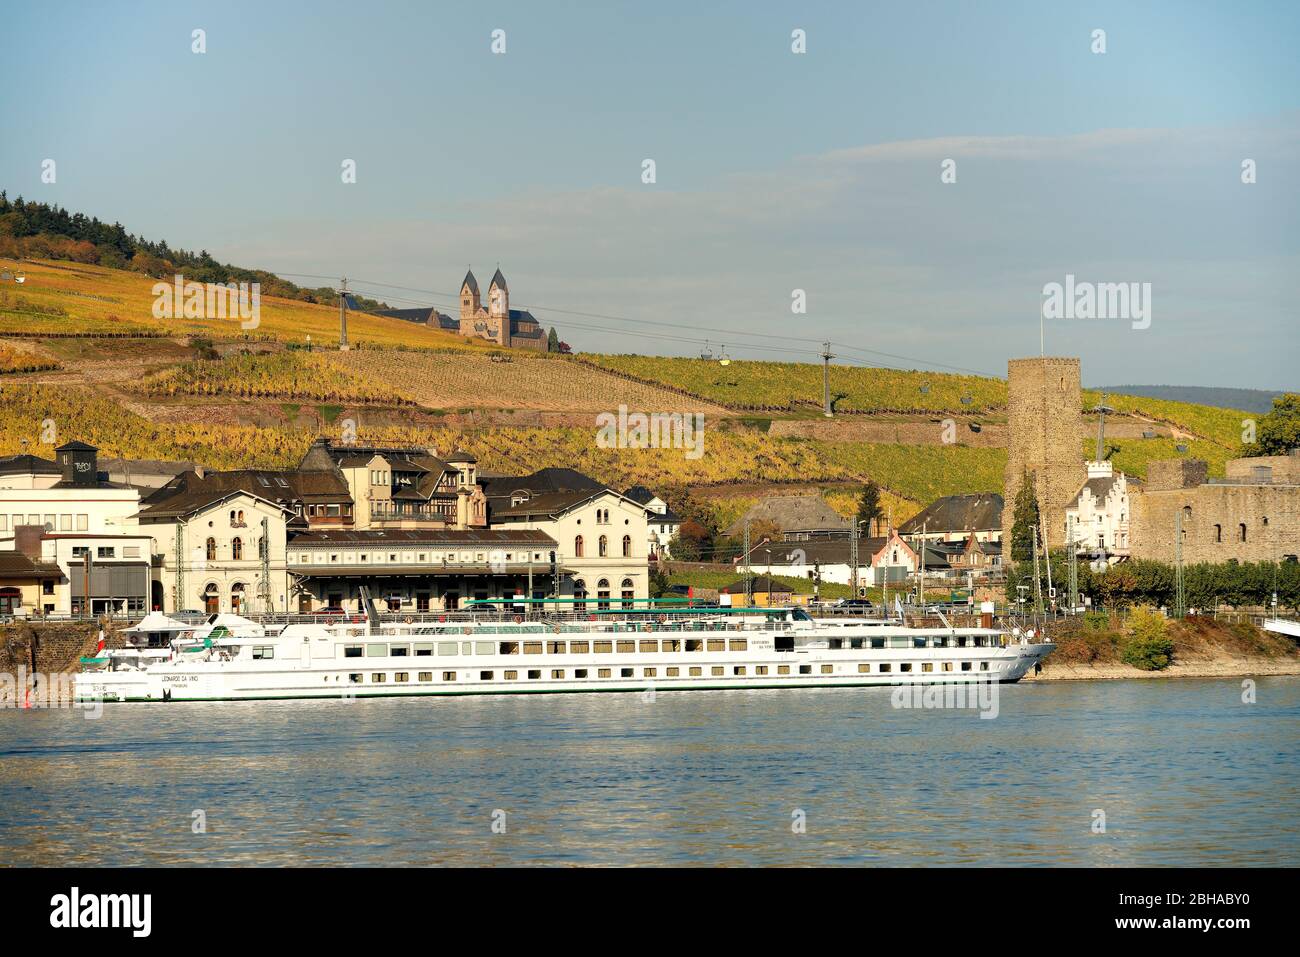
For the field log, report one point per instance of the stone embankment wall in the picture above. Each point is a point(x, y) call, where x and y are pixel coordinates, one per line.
point(48, 647)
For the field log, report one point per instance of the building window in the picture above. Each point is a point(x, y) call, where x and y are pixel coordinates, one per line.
point(1218, 533)
point(83, 523)
point(1241, 532)
point(627, 546)
point(105, 551)
point(603, 545)
point(237, 548)
point(577, 547)
point(210, 549)
point(628, 594)
point(602, 591)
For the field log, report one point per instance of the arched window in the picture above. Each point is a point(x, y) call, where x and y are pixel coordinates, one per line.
point(627, 546)
point(211, 599)
point(577, 547)
point(628, 593)
point(237, 597)
point(602, 594)
point(1241, 532)
point(1218, 533)
point(237, 548)
point(579, 595)
point(210, 550)
point(604, 546)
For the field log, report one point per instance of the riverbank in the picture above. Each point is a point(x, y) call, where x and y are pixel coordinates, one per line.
point(1200, 648)
point(1236, 668)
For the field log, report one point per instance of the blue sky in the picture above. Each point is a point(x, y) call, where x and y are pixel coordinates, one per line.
point(775, 171)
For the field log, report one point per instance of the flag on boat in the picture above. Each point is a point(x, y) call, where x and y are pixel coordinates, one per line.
point(99, 648)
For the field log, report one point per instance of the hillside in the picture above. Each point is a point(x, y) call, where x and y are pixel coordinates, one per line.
point(81, 348)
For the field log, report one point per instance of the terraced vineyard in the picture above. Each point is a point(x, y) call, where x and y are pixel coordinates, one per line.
point(323, 377)
point(18, 360)
point(790, 386)
point(516, 380)
point(1222, 426)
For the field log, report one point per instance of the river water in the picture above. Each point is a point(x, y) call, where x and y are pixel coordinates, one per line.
point(1184, 772)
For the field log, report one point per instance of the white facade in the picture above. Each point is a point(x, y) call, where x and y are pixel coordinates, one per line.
point(218, 564)
point(1099, 515)
point(603, 546)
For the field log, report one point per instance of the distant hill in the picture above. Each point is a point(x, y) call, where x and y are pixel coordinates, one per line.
point(1247, 400)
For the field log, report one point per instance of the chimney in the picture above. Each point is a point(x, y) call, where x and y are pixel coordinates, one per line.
point(27, 540)
point(199, 471)
point(79, 464)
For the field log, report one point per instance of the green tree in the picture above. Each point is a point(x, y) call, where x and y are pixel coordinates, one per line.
point(1024, 518)
point(1148, 647)
point(1279, 431)
point(869, 510)
point(553, 341)
point(658, 582)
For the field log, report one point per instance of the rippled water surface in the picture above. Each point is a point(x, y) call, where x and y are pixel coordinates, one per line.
point(1184, 771)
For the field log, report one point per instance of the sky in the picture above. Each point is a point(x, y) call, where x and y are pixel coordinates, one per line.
point(775, 171)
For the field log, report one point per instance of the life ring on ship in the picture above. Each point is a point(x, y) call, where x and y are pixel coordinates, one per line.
point(519, 619)
point(410, 620)
point(467, 630)
point(663, 619)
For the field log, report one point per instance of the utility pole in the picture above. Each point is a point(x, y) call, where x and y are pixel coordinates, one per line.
point(749, 582)
point(179, 598)
point(1047, 560)
point(920, 583)
point(343, 315)
point(853, 556)
point(1072, 561)
point(264, 585)
point(1038, 582)
point(1179, 595)
point(826, 379)
point(1101, 409)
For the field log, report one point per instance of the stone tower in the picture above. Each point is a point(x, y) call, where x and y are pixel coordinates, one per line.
point(469, 304)
point(499, 307)
point(1045, 428)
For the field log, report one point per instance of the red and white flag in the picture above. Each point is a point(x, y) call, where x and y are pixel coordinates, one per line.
point(99, 649)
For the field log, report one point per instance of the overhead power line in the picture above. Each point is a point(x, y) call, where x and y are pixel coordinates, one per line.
point(451, 300)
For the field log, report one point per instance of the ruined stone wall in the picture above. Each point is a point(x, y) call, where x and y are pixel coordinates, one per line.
point(1044, 423)
point(1213, 520)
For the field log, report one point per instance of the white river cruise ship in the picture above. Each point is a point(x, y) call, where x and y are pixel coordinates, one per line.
point(628, 652)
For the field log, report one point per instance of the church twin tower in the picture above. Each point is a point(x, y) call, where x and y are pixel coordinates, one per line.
point(490, 323)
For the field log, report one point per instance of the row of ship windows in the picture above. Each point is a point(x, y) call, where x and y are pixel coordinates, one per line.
point(622, 646)
point(672, 671)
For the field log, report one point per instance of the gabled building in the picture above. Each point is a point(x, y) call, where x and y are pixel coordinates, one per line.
point(219, 541)
point(1099, 515)
point(955, 518)
point(602, 536)
point(395, 487)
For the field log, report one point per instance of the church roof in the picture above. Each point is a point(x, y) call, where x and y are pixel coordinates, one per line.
point(498, 280)
point(471, 281)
